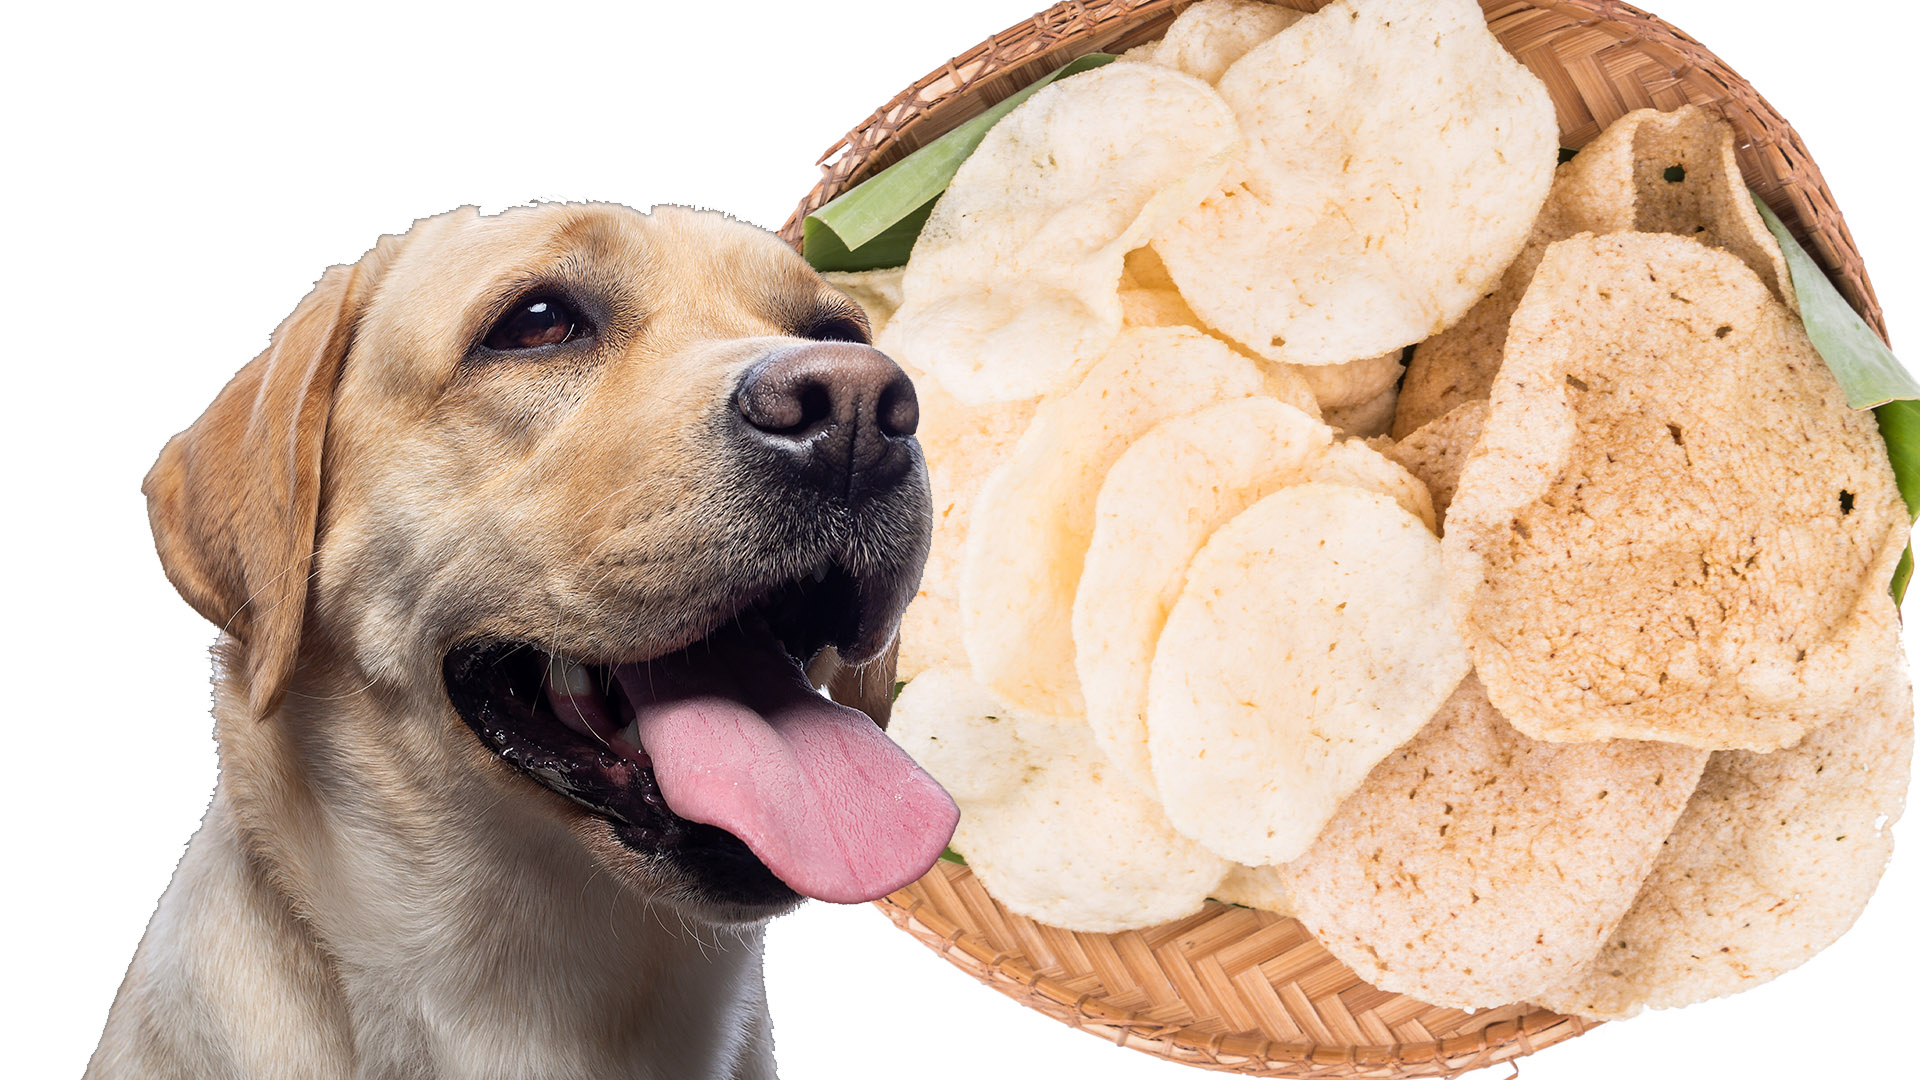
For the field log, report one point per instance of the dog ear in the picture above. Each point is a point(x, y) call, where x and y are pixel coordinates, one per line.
point(234, 499)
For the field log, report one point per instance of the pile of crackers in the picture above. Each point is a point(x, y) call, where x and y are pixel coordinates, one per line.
point(1346, 508)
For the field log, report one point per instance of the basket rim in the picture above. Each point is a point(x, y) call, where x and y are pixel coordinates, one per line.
point(1008, 973)
point(1066, 30)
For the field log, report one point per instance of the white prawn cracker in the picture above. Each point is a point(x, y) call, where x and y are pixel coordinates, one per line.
point(1151, 304)
point(1209, 36)
point(1476, 867)
point(963, 444)
point(959, 732)
point(1034, 517)
point(1048, 828)
point(1013, 286)
point(1159, 503)
point(1672, 527)
point(1352, 463)
point(1263, 888)
point(1311, 639)
point(1370, 418)
point(1773, 860)
point(1148, 298)
point(1342, 386)
point(1396, 156)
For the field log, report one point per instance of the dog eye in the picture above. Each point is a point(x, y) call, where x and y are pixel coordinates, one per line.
point(534, 322)
point(836, 328)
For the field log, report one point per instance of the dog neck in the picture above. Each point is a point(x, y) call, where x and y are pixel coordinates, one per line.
point(373, 925)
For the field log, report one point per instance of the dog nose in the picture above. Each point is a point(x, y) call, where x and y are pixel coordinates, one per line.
point(841, 414)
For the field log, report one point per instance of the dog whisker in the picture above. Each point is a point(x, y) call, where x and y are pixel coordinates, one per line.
point(368, 685)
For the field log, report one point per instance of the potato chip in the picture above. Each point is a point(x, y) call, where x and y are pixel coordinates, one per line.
point(1263, 888)
point(1170, 490)
point(1013, 286)
point(1211, 35)
point(1476, 867)
point(1051, 832)
point(1369, 418)
point(1438, 451)
point(1672, 526)
point(1034, 517)
point(1649, 171)
point(1339, 386)
point(963, 444)
point(1773, 860)
point(1396, 156)
point(1311, 639)
point(876, 291)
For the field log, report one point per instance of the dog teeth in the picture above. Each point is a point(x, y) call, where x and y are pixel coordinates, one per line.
point(626, 743)
point(569, 678)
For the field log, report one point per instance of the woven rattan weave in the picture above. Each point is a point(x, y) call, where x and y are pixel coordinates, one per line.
point(1230, 988)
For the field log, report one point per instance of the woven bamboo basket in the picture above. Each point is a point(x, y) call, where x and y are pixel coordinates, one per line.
point(1229, 988)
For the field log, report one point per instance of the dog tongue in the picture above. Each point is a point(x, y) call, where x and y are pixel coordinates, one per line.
point(741, 741)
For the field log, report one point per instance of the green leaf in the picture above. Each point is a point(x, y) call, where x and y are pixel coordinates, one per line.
point(1868, 372)
point(889, 247)
point(952, 856)
point(1900, 427)
point(875, 224)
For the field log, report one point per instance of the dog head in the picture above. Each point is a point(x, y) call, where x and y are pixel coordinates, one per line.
point(560, 504)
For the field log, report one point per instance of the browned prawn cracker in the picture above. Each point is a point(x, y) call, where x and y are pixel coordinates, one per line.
point(1476, 866)
point(1649, 171)
point(1773, 860)
point(1438, 451)
point(1672, 526)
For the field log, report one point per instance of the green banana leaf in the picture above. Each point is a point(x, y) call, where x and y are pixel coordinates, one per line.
point(1900, 427)
point(1866, 369)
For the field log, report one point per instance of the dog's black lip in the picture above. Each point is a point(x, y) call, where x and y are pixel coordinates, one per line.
point(485, 715)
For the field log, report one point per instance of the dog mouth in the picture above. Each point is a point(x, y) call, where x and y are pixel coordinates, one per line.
point(720, 756)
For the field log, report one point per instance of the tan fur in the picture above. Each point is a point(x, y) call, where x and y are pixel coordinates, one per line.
point(372, 892)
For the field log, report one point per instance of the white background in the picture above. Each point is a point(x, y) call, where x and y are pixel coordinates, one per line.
point(176, 176)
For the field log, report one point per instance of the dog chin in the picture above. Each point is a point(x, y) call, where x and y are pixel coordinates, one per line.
point(709, 880)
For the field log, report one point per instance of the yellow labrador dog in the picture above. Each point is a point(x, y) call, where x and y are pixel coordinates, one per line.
point(521, 536)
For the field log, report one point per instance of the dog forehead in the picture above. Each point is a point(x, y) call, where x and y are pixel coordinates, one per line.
point(455, 270)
